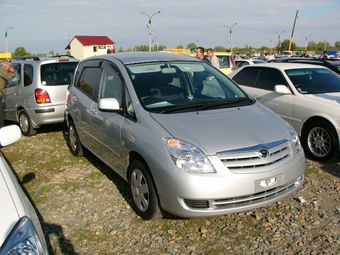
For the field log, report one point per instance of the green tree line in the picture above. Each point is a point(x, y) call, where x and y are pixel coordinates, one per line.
point(316, 47)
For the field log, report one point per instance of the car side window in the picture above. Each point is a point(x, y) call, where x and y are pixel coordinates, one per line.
point(90, 80)
point(270, 77)
point(111, 85)
point(130, 110)
point(28, 74)
point(247, 77)
point(224, 61)
point(15, 81)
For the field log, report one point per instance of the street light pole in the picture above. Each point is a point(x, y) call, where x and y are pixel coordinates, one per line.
point(149, 25)
point(271, 44)
point(324, 41)
point(279, 36)
point(6, 35)
point(306, 40)
point(231, 37)
point(153, 43)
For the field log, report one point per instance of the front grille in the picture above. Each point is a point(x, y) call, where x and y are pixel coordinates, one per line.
point(250, 159)
point(244, 201)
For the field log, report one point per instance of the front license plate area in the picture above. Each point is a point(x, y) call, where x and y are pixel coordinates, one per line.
point(268, 183)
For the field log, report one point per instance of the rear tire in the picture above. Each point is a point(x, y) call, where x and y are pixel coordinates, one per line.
point(74, 141)
point(25, 124)
point(143, 192)
point(320, 141)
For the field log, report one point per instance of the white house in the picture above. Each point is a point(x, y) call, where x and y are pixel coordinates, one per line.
point(83, 46)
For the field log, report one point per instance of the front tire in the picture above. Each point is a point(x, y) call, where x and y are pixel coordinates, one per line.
point(142, 191)
point(74, 141)
point(26, 124)
point(320, 141)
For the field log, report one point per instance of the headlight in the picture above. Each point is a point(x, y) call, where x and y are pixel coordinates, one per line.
point(295, 138)
point(188, 157)
point(23, 239)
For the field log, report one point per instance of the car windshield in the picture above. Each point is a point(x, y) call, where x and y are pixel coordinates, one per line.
point(314, 80)
point(166, 87)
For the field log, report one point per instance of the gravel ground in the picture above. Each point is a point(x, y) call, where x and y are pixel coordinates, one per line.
point(85, 209)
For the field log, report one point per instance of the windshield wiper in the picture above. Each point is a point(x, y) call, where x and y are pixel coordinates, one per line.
point(195, 107)
point(204, 105)
point(223, 103)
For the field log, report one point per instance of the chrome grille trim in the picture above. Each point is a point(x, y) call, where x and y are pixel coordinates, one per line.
point(252, 200)
point(263, 195)
point(245, 160)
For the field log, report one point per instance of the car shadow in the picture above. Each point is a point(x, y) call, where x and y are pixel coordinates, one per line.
point(331, 167)
point(49, 128)
point(49, 229)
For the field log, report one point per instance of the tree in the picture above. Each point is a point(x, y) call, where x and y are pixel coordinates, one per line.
point(121, 49)
point(284, 45)
point(220, 49)
point(161, 47)
point(142, 48)
point(180, 47)
point(337, 44)
point(191, 45)
point(20, 51)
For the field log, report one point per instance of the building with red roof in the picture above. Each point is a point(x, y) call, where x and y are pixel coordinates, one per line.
point(83, 46)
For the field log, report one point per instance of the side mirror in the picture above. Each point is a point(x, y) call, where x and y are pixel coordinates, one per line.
point(282, 89)
point(108, 104)
point(9, 134)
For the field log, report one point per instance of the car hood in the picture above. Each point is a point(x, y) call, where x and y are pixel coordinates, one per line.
point(8, 213)
point(225, 129)
point(329, 98)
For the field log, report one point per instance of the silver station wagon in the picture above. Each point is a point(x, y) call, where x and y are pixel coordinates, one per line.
point(183, 135)
point(37, 94)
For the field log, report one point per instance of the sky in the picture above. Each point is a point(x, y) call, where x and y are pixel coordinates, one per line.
point(44, 25)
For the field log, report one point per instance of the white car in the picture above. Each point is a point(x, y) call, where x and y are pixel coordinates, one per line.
point(20, 229)
point(306, 96)
point(249, 61)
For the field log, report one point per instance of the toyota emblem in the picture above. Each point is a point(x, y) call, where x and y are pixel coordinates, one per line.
point(264, 153)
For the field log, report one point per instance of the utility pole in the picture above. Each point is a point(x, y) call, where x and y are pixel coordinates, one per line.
point(291, 37)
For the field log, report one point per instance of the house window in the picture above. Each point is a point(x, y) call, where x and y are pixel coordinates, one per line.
point(95, 48)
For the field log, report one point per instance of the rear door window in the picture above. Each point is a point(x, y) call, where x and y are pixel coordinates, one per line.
point(247, 77)
point(270, 77)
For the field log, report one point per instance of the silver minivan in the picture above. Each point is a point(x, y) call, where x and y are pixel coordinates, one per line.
point(37, 94)
point(183, 135)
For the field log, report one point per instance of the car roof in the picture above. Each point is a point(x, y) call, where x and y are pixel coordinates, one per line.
point(250, 60)
point(38, 60)
point(283, 65)
point(138, 57)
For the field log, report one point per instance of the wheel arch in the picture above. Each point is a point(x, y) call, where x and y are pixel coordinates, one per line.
point(133, 155)
point(309, 121)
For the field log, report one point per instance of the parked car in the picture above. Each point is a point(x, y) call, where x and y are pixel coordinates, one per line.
point(245, 62)
point(37, 94)
point(306, 96)
point(184, 136)
point(227, 63)
point(333, 64)
point(20, 229)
